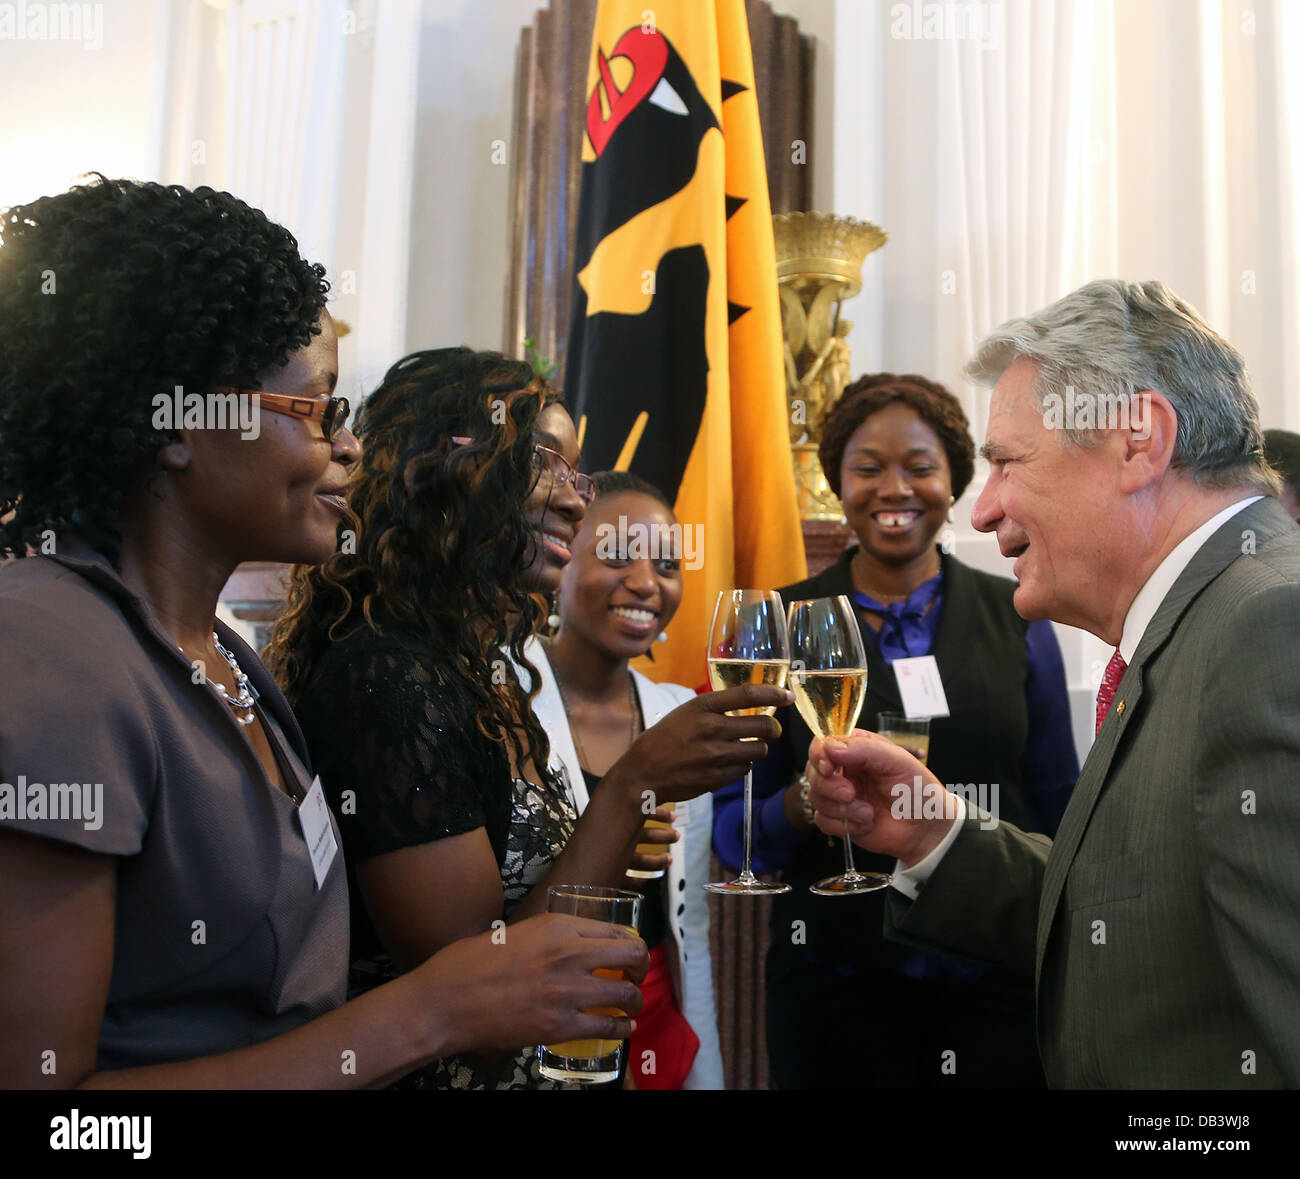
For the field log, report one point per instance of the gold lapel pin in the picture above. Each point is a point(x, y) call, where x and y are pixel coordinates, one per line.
point(1119, 708)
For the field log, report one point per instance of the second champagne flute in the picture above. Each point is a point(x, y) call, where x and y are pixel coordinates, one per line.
point(828, 676)
point(747, 645)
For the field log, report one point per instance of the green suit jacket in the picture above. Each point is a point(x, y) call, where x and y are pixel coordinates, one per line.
point(1163, 925)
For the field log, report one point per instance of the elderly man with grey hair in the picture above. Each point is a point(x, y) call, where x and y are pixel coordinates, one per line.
point(1162, 927)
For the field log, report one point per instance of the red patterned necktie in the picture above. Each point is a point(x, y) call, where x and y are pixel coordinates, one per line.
point(1109, 682)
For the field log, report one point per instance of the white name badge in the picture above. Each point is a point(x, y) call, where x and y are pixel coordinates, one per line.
point(920, 687)
point(319, 833)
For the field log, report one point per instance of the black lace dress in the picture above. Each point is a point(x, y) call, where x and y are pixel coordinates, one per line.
point(403, 763)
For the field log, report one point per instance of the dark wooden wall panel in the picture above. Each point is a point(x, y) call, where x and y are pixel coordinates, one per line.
point(783, 63)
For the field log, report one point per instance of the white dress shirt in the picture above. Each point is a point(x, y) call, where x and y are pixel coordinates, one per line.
point(1143, 609)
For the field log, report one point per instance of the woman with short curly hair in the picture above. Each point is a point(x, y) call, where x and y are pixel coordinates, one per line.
point(933, 404)
point(115, 293)
point(174, 910)
point(846, 1008)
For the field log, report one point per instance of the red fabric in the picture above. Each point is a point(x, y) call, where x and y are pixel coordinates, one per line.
point(662, 1029)
point(1109, 682)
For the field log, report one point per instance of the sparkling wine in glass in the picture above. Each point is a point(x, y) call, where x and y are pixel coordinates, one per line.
point(828, 675)
point(747, 645)
point(910, 733)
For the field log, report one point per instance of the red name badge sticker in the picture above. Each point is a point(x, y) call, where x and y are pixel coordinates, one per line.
point(318, 831)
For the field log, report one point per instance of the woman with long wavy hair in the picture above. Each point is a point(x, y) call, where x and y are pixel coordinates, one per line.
point(398, 652)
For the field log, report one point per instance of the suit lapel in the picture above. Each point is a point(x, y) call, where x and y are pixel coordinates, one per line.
point(1265, 518)
point(952, 638)
point(1086, 792)
point(882, 686)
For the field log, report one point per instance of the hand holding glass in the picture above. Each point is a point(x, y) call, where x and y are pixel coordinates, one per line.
point(588, 1062)
point(747, 645)
point(828, 675)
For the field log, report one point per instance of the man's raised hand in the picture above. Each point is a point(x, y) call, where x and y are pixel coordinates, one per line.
point(882, 792)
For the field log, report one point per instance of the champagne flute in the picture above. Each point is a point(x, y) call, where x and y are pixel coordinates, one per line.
point(747, 645)
point(828, 675)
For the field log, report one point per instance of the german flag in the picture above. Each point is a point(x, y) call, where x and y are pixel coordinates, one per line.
point(674, 357)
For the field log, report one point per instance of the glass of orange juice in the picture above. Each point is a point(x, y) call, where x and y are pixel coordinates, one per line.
point(588, 1062)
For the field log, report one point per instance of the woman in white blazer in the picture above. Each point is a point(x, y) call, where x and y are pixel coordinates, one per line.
point(615, 598)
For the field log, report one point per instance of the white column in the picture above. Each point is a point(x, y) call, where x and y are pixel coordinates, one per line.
point(389, 172)
point(858, 164)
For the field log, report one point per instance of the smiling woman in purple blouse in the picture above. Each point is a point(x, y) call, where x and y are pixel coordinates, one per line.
point(845, 1008)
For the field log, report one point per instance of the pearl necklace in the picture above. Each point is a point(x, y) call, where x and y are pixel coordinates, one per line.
point(243, 703)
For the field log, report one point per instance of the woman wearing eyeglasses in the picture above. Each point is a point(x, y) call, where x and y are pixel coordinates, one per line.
point(558, 500)
point(398, 659)
point(174, 907)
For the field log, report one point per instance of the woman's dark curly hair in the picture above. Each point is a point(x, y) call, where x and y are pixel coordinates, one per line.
point(110, 294)
point(938, 408)
point(442, 540)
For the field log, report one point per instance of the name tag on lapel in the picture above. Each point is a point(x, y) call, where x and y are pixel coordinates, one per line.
point(920, 687)
point(317, 830)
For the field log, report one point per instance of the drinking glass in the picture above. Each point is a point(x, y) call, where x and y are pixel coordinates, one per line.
point(913, 735)
point(652, 849)
point(588, 1062)
point(747, 645)
point(828, 675)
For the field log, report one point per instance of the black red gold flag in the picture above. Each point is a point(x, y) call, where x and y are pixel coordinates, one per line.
point(674, 356)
